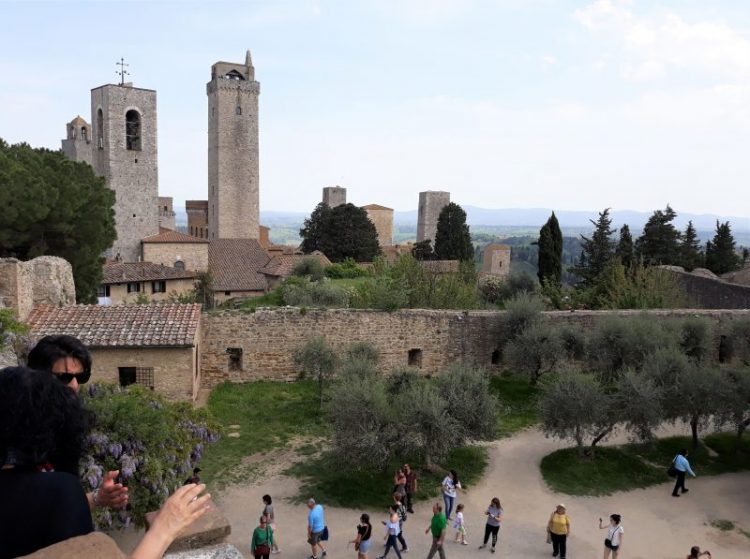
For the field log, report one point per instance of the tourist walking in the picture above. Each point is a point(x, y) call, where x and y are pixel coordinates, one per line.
point(411, 487)
point(363, 540)
point(262, 539)
point(437, 526)
point(696, 552)
point(316, 524)
point(559, 530)
point(459, 524)
point(399, 482)
point(494, 516)
point(450, 487)
point(270, 520)
point(401, 511)
point(682, 466)
point(392, 531)
point(615, 531)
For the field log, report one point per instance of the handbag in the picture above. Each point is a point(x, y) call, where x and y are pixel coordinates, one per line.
point(264, 548)
point(672, 471)
point(324, 535)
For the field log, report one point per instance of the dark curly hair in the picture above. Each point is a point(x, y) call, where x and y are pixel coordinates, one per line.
point(41, 421)
point(50, 349)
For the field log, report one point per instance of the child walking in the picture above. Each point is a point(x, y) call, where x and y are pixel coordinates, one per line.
point(460, 525)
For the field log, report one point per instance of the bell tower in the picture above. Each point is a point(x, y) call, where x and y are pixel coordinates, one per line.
point(233, 170)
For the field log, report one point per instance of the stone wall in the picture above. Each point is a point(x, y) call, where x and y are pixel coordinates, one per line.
point(194, 255)
point(44, 280)
point(710, 293)
point(428, 339)
point(334, 196)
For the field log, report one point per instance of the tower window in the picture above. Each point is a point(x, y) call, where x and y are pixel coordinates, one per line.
point(84, 134)
point(234, 75)
point(100, 129)
point(179, 265)
point(235, 358)
point(238, 110)
point(133, 130)
point(415, 358)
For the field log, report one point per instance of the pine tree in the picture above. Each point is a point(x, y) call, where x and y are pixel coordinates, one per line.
point(52, 206)
point(550, 252)
point(625, 251)
point(721, 254)
point(452, 238)
point(691, 256)
point(597, 251)
point(660, 242)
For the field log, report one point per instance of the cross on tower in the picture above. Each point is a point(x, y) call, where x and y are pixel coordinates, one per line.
point(122, 72)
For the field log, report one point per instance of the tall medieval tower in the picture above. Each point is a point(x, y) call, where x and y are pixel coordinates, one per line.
point(124, 153)
point(233, 200)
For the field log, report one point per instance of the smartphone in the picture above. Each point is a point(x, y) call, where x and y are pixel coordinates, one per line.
point(118, 478)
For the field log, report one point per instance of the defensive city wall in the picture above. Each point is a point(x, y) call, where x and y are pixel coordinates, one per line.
point(240, 346)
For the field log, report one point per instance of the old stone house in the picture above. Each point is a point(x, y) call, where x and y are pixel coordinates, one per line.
point(235, 266)
point(124, 282)
point(155, 345)
point(175, 249)
point(281, 265)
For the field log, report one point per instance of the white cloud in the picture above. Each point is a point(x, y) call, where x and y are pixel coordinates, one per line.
point(657, 44)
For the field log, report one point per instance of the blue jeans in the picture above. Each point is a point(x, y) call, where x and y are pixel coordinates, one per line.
point(448, 504)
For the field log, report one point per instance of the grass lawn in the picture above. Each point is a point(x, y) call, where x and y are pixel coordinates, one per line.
point(630, 466)
point(518, 404)
point(269, 415)
point(329, 483)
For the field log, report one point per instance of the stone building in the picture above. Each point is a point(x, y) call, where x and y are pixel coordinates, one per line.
point(125, 154)
point(124, 282)
point(166, 213)
point(281, 266)
point(177, 250)
point(235, 266)
point(197, 216)
point(496, 261)
point(78, 146)
point(233, 172)
point(382, 218)
point(431, 203)
point(156, 345)
point(334, 196)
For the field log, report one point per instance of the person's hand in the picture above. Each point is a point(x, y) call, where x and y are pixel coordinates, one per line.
point(183, 508)
point(111, 494)
point(426, 531)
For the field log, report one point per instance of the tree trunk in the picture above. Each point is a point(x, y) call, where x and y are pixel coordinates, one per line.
point(603, 433)
point(694, 430)
point(320, 391)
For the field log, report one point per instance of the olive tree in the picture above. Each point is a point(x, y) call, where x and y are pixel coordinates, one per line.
point(466, 389)
point(317, 360)
point(535, 351)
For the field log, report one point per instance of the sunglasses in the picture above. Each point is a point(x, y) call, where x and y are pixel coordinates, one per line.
point(67, 378)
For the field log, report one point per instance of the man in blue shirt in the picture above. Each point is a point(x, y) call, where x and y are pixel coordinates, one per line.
point(316, 524)
point(682, 466)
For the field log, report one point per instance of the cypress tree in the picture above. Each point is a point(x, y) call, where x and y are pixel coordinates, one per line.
point(597, 251)
point(721, 254)
point(690, 249)
point(660, 242)
point(550, 252)
point(452, 238)
point(625, 251)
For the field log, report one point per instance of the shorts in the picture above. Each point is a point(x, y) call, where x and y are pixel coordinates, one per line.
point(364, 546)
point(608, 545)
point(315, 537)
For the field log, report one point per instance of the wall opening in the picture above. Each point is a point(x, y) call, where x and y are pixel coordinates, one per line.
point(133, 130)
point(84, 134)
point(100, 129)
point(235, 358)
point(496, 357)
point(179, 265)
point(725, 350)
point(415, 358)
point(238, 110)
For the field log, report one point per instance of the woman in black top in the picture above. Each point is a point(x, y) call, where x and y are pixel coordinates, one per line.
point(363, 542)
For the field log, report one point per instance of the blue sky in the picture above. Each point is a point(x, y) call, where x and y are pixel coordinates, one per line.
point(506, 103)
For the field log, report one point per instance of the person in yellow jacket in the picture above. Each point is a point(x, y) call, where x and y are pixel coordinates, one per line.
point(559, 529)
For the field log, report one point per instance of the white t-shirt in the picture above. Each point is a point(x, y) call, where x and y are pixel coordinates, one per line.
point(449, 488)
point(613, 534)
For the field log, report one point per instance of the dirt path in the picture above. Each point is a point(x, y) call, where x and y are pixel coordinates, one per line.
point(657, 526)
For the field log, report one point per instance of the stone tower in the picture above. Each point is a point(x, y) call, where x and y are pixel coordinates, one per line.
point(431, 204)
point(382, 218)
point(233, 204)
point(77, 146)
point(334, 196)
point(124, 153)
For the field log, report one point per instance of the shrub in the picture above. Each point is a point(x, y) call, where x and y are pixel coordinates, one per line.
point(470, 400)
point(739, 340)
point(496, 290)
point(309, 267)
point(736, 408)
point(317, 360)
point(667, 368)
point(573, 343)
point(362, 350)
point(696, 336)
point(638, 403)
point(381, 293)
point(535, 351)
point(154, 443)
point(520, 312)
point(348, 269)
point(357, 367)
point(304, 293)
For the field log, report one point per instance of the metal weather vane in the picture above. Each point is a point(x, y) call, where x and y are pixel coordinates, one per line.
point(122, 72)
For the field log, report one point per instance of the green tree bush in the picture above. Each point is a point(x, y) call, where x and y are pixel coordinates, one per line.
point(348, 269)
point(309, 267)
point(660, 242)
point(696, 338)
point(597, 251)
point(735, 408)
point(317, 360)
point(721, 251)
point(471, 403)
point(340, 233)
point(520, 312)
point(637, 402)
point(301, 292)
point(691, 256)
point(496, 290)
point(625, 251)
point(50, 205)
point(535, 351)
point(550, 252)
point(452, 237)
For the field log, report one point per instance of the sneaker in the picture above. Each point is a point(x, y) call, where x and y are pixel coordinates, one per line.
point(482, 546)
point(685, 490)
point(464, 543)
point(492, 549)
point(675, 495)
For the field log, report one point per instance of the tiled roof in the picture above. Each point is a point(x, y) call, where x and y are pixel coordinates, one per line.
point(282, 265)
point(376, 207)
point(170, 236)
point(153, 325)
point(235, 265)
point(124, 272)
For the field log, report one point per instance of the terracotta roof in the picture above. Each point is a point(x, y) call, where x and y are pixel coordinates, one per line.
point(124, 272)
point(153, 325)
point(282, 265)
point(235, 265)
point(170, 236)
point(376, 207)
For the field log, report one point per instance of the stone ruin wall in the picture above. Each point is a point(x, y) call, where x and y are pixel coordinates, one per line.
point(268, 338)
point(45, 280)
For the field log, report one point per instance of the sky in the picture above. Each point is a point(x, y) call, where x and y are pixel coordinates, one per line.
point(563, 104)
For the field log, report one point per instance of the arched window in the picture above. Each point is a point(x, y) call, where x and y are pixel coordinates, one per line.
point(84, 134)
point(133, 130)
point(234, 75)
point(100, 129)
point(238, 110)
point(179, 265)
